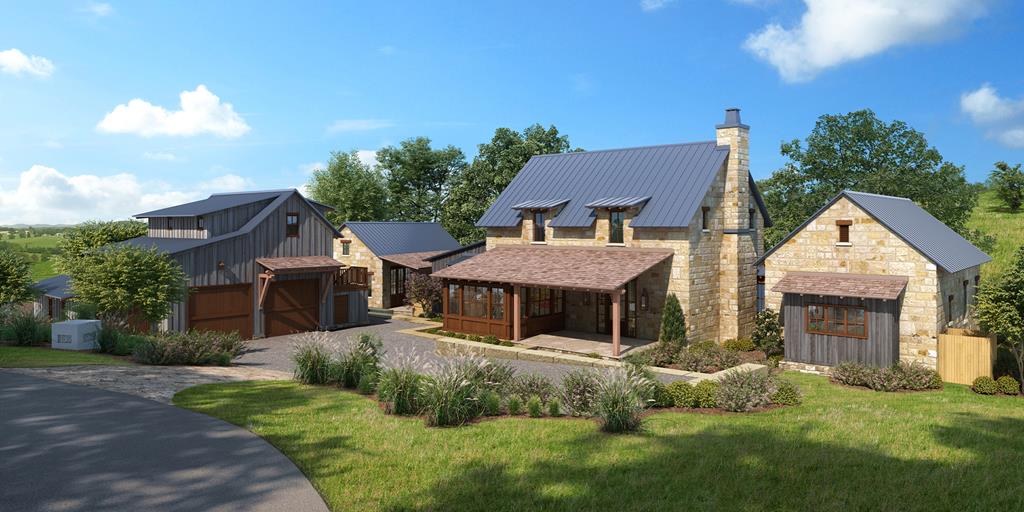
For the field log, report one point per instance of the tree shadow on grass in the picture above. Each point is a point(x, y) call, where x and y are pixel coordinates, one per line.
point(749, 467)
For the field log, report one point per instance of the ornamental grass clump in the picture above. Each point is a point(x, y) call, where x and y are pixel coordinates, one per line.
point(743, 391)
point(621, 399)
point(531, 384)
point(398, 385)
point(359, 361)
point(579, 391)
point(313, 356)
point(452, 396)
point(490, 402)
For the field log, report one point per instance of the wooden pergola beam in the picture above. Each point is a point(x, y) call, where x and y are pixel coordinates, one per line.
point(264, 284)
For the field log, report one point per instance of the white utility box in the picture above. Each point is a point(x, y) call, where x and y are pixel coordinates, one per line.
point(75, 334)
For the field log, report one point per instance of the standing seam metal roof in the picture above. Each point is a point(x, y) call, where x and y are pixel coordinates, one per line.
point(676, 177)
point(384, 238)
point(933, 239)
point(215, 202)
point(58, 286)
point(618, 202)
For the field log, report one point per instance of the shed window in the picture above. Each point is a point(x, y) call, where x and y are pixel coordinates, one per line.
point(538, 226)
point(704, 218)
point(292, 224)
point(616, 221)
point(844, 231)
point(836, 320)
point(200, 225)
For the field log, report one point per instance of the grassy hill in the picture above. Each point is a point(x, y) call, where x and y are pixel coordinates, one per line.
point(38, 250)
point(994, 219)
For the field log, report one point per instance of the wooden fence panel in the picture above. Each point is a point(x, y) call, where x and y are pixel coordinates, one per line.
point(963, 358)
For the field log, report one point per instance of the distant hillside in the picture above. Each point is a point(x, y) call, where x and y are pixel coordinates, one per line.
point(994, 219)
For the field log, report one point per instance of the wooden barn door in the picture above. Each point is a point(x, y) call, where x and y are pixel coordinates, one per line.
point(291, 307)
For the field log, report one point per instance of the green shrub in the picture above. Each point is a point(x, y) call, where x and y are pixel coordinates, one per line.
point(850, 373)
point(663, 353)
point(579, 391)
point(767, 335)
point(681, 393)
point(367, 383)
point(659, 396)
point(739, 344)
point(901, 376)
point(25, 328)
point(1008, 385)
point(490, 401)
point(361, 356)
point(621, 401)
point(530, 384)
point(491, 339)
point(786, 394)
point(534, 407)
point(398, 388)
point(705, 394)
point(189, 348)
point(707, 357)
point(673, 322)
point(742, 391)
point(554, 408)
point(985, 386)
point(473, 337)
point(450, 398)
point(314, 361)
point(514, 405)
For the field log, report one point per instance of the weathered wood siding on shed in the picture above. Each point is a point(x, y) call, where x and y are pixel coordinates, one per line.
point(452, 259)
point(881, 348)
point(239, 254)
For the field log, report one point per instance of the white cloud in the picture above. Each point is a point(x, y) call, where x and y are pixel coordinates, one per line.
point(14, 62)
point(985, 106)
point(358, 125)
point(312, 166)
point(832, 32)
point(367, 157)
point(201, 112)
point(1002, 118)
point(653, 5)
point(45, 195)
point(98, 9)
point(159, 155)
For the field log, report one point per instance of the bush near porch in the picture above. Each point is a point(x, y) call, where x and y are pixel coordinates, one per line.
point(842, 449)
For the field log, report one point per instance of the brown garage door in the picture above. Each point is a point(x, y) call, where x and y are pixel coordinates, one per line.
point(221, 308)
point(291, 306)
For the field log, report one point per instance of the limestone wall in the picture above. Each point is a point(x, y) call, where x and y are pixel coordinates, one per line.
point(360, 256)
point(873, 249)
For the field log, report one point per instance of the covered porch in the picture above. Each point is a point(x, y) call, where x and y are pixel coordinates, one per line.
point(564, 297)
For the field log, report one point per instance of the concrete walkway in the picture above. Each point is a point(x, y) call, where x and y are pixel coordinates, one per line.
point(67, 447)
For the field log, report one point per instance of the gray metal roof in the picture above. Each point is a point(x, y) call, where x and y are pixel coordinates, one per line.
point(618, 202)
point(676, 177)
point(58, 286)
point(539, 204)
point(384, 238)
point(168, 245)
point(464, 248)
point(215, 202)
point(933, 239)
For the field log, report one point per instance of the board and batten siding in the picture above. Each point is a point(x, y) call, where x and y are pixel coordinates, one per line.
point(267, 240)
point(214, 223)
point(881, 348)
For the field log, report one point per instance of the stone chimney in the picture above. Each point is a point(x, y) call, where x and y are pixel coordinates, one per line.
point(737, 275)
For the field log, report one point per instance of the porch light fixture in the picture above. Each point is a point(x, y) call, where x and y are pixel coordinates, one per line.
point(644, 302)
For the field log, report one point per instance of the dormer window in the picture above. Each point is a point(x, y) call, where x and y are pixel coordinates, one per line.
point(844, 231)
point(538, 226)
point(616, 223)
point(292, 224)
point(199, 223)
point(704, 218)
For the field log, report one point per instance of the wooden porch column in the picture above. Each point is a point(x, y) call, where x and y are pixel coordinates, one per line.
point(517, 323)
point(616, 322)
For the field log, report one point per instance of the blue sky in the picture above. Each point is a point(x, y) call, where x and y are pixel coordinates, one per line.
point(90, 92)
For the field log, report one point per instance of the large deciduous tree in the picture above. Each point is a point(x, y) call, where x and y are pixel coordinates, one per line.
point(999, 309)
point(85, 237)
point(356, 190)
point(1008, 183)
point(418, 177)
point(494, 167)
point(858, 151)
point(126, 282)
point(15, 279)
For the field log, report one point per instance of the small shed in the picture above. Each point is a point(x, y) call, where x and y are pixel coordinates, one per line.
point(54, 297)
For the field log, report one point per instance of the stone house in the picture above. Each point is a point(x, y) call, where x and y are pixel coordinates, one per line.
point(593, 242)
point(872, 279)
point(391, 251)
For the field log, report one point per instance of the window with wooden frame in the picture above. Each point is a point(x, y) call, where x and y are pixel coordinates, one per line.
point(616, 224)
point(837, 320)
point(345, 248)
point(844, 230)
point(291, 224)
point(200, 224)
point(704, 221)
point(538, 226)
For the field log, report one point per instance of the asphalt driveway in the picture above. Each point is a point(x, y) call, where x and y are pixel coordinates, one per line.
point(67, 447)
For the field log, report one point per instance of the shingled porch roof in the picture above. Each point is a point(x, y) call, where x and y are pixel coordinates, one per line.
point(842, 285)
point(413, 260)
point(600, 269)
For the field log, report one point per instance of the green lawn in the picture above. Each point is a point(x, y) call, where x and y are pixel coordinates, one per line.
point(42, 269)
point(38, 357)
point(40, 242)
point(844, 449)
point(993, 218)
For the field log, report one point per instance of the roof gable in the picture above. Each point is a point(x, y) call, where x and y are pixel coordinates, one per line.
point(385, 238)
point(912, 224)
point(676, 177)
